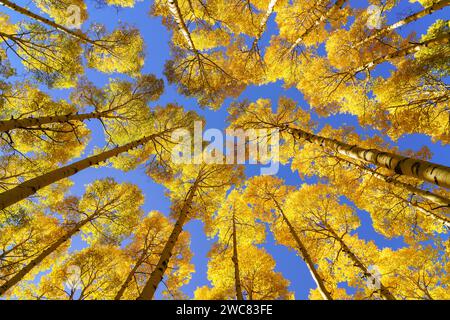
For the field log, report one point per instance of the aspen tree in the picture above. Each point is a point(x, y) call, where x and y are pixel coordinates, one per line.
point(269, 193)
point(399, 206)
point(236, 228)
point(259, 115)
point(22, 241)
point(322, 215)
point(418, 272)
point(259, 280)
point(429, 9)
point(93, 273)
point(196, 192)
point(144, 250)
point(120, 100)
point(53, 51)
point(166, 121)
point(106, 213)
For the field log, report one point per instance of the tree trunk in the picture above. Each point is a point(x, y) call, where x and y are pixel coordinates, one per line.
point(46, 21)
point(31, 186)
point(445, 221)
point(413, 47)
point(158, 273)
point(129, 278)
point(414, 17)
point(7, 125)
point(435, 198)
point(338, 5)
point(235, 259)
point(326, 295)
point(176, 13)
point(420, 169)
point(442, 219)
point(182, 28)
point(44, 254)
point(13, 248)
point(262, 25)
point(416, 191)
point(384, 292)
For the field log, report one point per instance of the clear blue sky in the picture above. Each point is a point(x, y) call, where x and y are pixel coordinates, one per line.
point(157, 52)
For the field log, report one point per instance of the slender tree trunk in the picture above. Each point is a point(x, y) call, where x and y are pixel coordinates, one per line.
point(158, 273)
point(144, 256)
point(235, 259)
point(44, 254)
point(420, 169)
point(182, 28)
point(326, 295)
point(414, 17)
point(445, 221)
point(413, 47)
point(435, 198)
point(129, 278)
point(384, 292)
point(32, 186)
point(416, 191)
point(338, 5)
point(6, 125)
point(442, 219)
point(422, 193)
point(263, 24)
point(21, 10)
point(13, 248)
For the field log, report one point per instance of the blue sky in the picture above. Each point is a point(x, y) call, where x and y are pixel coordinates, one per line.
point(157, 52)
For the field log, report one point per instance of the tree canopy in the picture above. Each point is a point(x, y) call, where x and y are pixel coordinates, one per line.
point(99, 101)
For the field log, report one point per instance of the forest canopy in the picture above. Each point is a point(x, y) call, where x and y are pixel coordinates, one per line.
point(348, 100)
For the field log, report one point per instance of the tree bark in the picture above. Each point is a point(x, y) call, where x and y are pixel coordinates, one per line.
point(416, 191)
point(445, 221)
point(442, 219)
point(129, 278)
point(435, 198)
point(142, 258)
point(46, 21)
point(7, 125)
point(158, 273)
point(262, 25)
point(182, 28)
point(31, 186)
point(235, 259)
point(413, 47)
point(420, 169)
point(384, 292)
point(326, 295)
point(176, 13)
point(338, 5)
point(44, 254)
point(414, 17)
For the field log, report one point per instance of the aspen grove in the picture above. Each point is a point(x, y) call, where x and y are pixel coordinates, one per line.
point(94, 95)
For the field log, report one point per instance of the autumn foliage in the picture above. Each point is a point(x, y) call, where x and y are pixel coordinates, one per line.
point(345, 61)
